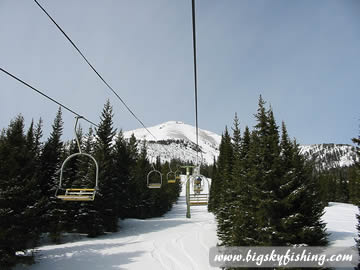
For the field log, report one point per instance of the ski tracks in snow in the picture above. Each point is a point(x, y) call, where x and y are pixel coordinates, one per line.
point(172, 242)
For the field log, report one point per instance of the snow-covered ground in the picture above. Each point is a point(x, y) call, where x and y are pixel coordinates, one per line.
point(169, 242)
point(341, 223)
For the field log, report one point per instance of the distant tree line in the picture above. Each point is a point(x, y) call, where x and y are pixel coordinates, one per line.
point(339, 185)
point(264, 192)
point(29, 176)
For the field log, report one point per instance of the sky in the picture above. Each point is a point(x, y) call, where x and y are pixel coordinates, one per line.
point(303, 57)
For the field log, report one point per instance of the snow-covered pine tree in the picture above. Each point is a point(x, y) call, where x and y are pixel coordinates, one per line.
point(107, 201)
point(265, 155)
point(225, 183)
point(53, 219)
point(230, 202)
point(213, 193)
point(245, 226)
point(141, 195)
point(18, 191)
point(73, 177)
point(88, 218)
point(124, 161)
point(170, 191)
point(158, 202)
point(277, 197)
point(299, 206)
point(224, 168)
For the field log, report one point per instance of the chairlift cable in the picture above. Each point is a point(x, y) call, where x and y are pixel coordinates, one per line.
point(94, 69)
point(98, 74)
point(195, 81)
point(48, 97)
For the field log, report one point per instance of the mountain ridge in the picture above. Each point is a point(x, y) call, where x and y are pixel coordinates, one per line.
point(175, 139)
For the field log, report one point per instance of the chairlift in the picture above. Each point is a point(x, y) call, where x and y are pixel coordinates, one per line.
point(198, 199)
point(198, 182)
point(152, 174)
point(77, 194)
point(171, 177)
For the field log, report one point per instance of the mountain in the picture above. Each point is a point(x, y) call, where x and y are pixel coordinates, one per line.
point(175, 139)
point(330, 155)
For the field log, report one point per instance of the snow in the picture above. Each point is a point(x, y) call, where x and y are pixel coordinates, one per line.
point(330, 155)
point(168, 242)
point(341, 223)
point(185, 148)
point(181, 143)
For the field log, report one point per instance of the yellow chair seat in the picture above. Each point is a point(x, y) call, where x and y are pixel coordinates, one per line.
point(78, 194)
point(154, 186)
point(198, 203)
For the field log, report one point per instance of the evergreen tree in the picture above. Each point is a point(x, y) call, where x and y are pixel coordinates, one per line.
point(245, 228)
point(107, 202)
point(51, 158)
point(219, 185)
point(87, 217)
point(18, 205)
point(213, 192)
point(301, 204)
point(124, 160)
point(272, 197)
point(141, 202)
point(225, 195)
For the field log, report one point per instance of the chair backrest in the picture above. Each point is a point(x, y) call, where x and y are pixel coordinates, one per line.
point(152, 184)
point(80, 154)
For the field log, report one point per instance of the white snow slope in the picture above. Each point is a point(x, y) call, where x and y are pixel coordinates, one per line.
point(169, 242)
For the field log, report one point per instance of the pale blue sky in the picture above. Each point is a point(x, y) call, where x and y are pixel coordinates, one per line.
point(302, 56)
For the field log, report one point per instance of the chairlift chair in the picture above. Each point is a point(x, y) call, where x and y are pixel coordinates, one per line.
point(77, 194)
point(177, 174)
point(154, 184)
point(198, 198)
point(171, 177)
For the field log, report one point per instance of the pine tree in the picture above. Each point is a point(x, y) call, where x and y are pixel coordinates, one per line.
point(142, 201)
point(87, 217)
point(236, 140)
point(72, 178)
point(107, 201)
point(276, 198)
point(213, 190)
point(51, 158)
point(225, 195)
point(18, 205)
point(123, 162)
point(245, 227)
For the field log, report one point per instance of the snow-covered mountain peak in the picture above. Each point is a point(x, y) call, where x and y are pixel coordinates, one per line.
point(173, 130)
point(175, 139)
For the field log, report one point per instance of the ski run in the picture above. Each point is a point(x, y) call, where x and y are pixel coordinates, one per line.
point(169, 242)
